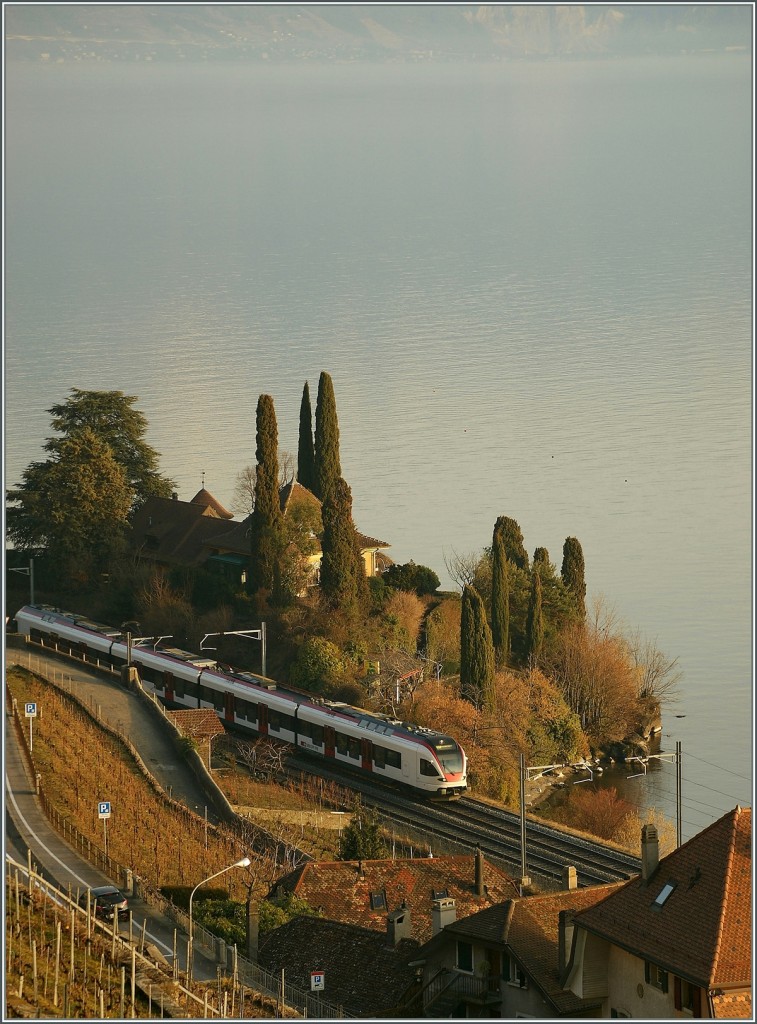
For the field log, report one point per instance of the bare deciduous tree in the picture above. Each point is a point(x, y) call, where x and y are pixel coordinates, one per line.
point(264, 757)
point(657, 675)
point(243, 500)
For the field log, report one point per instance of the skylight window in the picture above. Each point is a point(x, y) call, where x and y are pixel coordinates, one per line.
point(378, 901)
point(664, 893)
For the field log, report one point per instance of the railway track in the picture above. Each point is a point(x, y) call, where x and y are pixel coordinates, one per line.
point(466, 823)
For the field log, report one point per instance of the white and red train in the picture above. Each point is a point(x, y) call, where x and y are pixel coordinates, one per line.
point(426, 761)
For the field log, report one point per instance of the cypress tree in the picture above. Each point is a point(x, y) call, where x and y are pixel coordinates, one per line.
point(500, 599)
point(476, 650)
point(541, 557)
point(343, 581)
point(265, 523)
point(513, 538)
point(305, 450)
point(535, 621)
point(572, 573)
point(326, 452)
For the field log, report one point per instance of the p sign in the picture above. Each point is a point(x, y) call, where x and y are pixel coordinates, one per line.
point(103, 809)
point(31, 709)
point(317, 981)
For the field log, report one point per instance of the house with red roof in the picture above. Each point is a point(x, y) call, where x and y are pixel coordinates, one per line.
point(507, 959)
point(363, 893)
point(201, 532)
point(675, 941)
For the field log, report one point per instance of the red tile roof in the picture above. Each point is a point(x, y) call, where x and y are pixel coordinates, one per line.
point(703, 930)
point(206, 499)
point(732, 1006)
point(197, 722)
point(345, 895)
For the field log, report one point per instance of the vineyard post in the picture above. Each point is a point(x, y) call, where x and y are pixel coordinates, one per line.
point(71, 971)
point(133, 980)
point(57, 962)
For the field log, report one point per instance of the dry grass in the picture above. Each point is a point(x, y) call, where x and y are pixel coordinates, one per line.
point(81, 764)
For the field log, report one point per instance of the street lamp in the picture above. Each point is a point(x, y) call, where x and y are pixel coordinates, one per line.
point(243, 863)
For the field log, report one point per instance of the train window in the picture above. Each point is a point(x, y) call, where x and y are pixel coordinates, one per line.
point(312, 731)
point(428, 769)
point(247, 710)
point(274, 719)
point(341, 743)
point(287, 722)
point(379, 756)
point(353, 748)
point(178, 686)
point(192, 689)
point(393, 759)
point(448, 753)
point(159, 681)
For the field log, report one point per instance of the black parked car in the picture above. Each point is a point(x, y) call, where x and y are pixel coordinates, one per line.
point(107, 901)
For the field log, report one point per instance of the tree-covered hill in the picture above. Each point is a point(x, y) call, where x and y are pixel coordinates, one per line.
point(218, 32)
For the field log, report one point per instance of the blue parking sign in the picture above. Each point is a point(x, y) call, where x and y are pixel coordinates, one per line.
point(103, 808)
point(31, 709)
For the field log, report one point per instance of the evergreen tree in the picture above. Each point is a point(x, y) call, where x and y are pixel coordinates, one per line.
point(305, 449)
point(362, 839)
point(513, 538)
point(476, 651)
point(343, 580)
point(534, 621)
point(74, 507)
point(500, 599)
point(572, 573)
point(326, 451)
point(112, 417)
point(265, 522)
point(541, 557)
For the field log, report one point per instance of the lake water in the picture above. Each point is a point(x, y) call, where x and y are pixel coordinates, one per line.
point(531, 284)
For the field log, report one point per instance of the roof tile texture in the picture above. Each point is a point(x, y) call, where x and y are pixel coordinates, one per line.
point(703, 930)
point(345, 895)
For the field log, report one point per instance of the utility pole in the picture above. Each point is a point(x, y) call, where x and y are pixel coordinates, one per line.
point(679, 818)
point(524, 879)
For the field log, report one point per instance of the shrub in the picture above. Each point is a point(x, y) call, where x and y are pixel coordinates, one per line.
point(319, 665)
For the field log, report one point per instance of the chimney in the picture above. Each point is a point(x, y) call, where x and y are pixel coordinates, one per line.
point(443, 912)
point(650, 852)
point(360, 870)
point(398, 925)
point(175, 495)
point(569, 877)
point(564, 937)
point(479, 871)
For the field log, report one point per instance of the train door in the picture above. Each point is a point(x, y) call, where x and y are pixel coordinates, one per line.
point(228, 706)
point(329, 740)
point(263, 719)
point(168, 685)
point(366, 755)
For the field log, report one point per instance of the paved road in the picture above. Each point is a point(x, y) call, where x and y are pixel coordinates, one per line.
point(27, 827)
